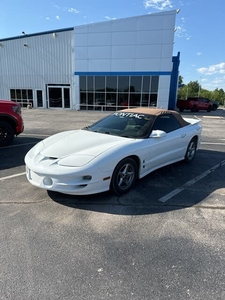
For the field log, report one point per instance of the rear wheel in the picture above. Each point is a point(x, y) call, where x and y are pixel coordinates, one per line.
point(6, 134)
point(124, 176)
point(191, 150)
point(181, 109)
point(209, 108)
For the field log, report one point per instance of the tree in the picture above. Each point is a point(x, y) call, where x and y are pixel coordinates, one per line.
point(180, 80)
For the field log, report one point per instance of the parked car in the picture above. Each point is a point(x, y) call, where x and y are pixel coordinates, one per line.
point(215, 105)
point(195, 104)
point(113, 152)
point(11, 121)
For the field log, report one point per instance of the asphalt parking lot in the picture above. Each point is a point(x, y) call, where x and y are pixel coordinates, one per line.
point(165, 239)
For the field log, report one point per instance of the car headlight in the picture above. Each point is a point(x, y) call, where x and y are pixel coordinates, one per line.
point(76, 160)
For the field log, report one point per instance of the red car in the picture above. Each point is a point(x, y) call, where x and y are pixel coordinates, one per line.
point(11, 121)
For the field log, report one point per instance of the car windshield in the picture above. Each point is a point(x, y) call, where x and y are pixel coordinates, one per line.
point(124, 124)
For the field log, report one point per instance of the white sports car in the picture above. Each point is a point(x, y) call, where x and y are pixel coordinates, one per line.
point(113, 152)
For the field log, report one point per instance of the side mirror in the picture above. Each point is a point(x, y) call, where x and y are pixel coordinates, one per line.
point(158, 134)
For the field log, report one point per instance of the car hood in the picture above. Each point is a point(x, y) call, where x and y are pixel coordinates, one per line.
point(79, 142)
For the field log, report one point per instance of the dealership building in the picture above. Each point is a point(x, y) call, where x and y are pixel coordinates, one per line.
point(107, 65)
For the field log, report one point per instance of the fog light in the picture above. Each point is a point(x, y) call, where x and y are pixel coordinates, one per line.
point(47, 181)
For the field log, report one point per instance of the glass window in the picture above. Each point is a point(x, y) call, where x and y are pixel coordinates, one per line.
point(117, 92)
point(30, 94)
point(111, 99)
point(90, 98)
point(123, 100)
point(166, 123)
point(135, 99)
point(13, 94)
point(83, 83)
point(66, 93)
point(111, 83)
point(153, 100)
point(100, 83)
point(39, 98)
point(124, 125)
point(123, 84)
point(154, 84)
point(83, 98)
point(135, 84)
point(100, 98)
point(146, 84)
point(55, 97)
point(90, 83)
point(144, 99)
point(24, 94)
point(18, 94)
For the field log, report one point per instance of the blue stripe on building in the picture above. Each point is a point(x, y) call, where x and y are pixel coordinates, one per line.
point(139, 73)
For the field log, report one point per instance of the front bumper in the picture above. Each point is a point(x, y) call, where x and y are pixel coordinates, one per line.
point(72, 183)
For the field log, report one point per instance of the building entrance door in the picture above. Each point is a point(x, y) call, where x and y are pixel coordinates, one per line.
point(59, 96)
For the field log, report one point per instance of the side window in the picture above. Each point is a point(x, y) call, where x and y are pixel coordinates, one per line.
point(166, 123)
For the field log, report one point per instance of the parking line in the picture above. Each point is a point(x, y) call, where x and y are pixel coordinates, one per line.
point(191, 182)
point(12, 176)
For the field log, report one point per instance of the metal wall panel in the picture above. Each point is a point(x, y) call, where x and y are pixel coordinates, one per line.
point(35, 61)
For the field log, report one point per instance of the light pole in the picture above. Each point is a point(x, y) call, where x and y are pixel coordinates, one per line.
point(199, 90)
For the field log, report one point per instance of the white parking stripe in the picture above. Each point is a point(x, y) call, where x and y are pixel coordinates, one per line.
point(12, 176)
point(191, 182)
point(206, 143)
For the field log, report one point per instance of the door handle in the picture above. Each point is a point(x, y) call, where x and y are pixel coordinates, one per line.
point(183, 135)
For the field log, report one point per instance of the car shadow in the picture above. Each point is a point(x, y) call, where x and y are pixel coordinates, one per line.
point(13, 156)
point(144, 198)
point(219, 112)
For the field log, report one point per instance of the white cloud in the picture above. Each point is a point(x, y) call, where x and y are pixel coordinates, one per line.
point(70, 9)
point(181, 33)
point(158, 4)
point(73, 10)
point(214, 69)
point(109, 18)
point(48, 18)
point(57, 17)
point(199, 53)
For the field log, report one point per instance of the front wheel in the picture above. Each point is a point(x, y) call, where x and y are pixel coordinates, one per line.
point(6, 134)
point(124, 176)
point(191, 150)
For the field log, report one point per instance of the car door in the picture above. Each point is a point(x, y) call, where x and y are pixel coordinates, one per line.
point(203, 103)
point(168, 148)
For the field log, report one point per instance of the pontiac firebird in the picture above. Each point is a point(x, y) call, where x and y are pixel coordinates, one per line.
point(114, 152)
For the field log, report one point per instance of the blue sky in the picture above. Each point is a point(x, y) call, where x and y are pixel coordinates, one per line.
point(199, 35)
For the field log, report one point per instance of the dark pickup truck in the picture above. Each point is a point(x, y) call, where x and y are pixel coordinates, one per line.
point(195, 104)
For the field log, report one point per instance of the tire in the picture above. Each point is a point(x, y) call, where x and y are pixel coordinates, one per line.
point(181, 109)
point(124, 176)
point(209, 108)
point(194, 108)
point(6, 134)
point(191, 150)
